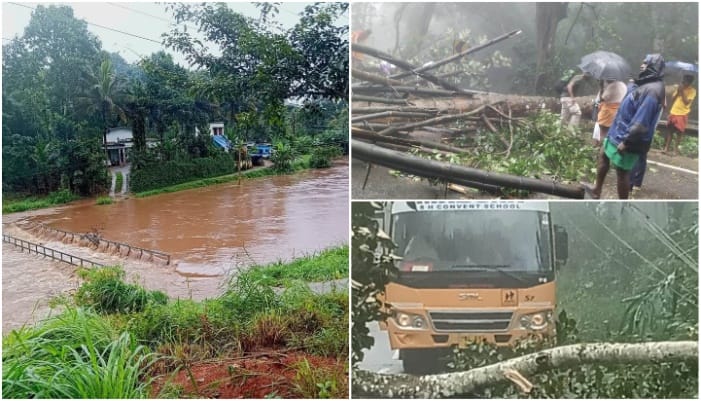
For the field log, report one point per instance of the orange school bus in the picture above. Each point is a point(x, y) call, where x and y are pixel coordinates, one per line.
point(469, 271)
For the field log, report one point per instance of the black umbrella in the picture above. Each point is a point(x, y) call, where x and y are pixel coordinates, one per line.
point(606, 65)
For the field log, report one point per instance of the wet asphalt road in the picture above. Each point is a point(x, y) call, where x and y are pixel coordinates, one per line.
point(380, 358)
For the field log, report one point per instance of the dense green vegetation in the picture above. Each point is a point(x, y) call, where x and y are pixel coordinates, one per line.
point(319, 267)
point(62, 92)
point(537, 146)
point(175, 172)
point(632, 276)
point(118, 182)
point(12, 204)
point(300, 163)
point(114, 338)
point(103, 200)
point(77, 354)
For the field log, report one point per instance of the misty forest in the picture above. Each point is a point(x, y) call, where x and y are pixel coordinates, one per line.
point(631, 281)
point(449, 92)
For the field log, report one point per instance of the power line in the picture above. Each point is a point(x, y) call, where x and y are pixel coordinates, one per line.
point(101, 26)
point(140, 12)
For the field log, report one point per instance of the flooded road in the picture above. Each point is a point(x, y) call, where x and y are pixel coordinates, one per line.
point(211, 230)
point(210, 233)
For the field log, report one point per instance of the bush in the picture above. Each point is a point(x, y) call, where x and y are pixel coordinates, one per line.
point(322, 155)
point(104, 200)
point(163, 174)
point(75, 355)
point(31, 203)
point(179, 321)
point(105, 292)
point(282, 157)
point(118, 182)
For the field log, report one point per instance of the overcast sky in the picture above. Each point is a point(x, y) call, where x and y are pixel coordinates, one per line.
point(145, 19)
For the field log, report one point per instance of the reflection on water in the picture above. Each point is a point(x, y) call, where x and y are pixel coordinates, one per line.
point(210, 230)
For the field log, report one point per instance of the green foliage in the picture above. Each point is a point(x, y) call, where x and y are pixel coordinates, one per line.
point(31, 203)
point(105, 291)
point(373, 267)
point(159, 175)
point(80, 353)
point(251, 174)
point(252, 60)
point(175, 322)
point(250, 315)
point(322, 156)
point(118, 182)
point(103, 200)
point(49, 141)
point(540, 147)
point(330, 264)
point(648, 295)
point(75, 355)
point(312, 382)
point(283, 156)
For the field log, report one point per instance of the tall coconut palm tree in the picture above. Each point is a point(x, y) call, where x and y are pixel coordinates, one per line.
point(103, 91)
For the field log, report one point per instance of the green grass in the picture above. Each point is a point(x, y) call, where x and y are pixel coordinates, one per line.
point(96, 347)
point(118, 182)
point(330, 264)
point(13, 205)
point(103, 200)
point(77, 354)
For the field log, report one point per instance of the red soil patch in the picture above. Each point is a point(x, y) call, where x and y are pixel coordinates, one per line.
point(252, 376)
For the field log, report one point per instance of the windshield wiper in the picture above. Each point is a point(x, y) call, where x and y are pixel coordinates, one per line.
point(492, 267)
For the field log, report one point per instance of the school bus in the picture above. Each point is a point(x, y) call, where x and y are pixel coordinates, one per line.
point(469, 271)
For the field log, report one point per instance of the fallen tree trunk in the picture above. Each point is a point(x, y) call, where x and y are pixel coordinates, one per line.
point(458, 56)
point(376, 79)
point(373, 137)
point(406, 66)
point(367, 384)
point(458, 174)
point(520, 105)
point(411, 90)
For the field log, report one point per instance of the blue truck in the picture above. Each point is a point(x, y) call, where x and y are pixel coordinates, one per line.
point(259, 152)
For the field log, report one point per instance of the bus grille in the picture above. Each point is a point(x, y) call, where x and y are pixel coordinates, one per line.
point(470, 321)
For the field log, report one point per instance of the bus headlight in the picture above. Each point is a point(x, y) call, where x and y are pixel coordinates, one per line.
point(409, 320)
point(536, 321)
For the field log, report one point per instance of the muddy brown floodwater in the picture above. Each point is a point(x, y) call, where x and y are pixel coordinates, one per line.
point(215, 229)
point(209, 232)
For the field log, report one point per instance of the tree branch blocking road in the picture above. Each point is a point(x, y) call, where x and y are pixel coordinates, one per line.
point(462, 383)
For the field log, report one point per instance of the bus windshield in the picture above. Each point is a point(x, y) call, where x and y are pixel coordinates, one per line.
point(473, 240)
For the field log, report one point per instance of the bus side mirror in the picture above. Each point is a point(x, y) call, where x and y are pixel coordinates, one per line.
point(561, 246)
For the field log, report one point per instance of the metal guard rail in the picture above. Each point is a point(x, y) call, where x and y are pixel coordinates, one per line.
point(49, 252)
point(119, 245)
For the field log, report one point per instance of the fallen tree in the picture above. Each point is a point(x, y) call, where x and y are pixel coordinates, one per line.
point(460, 384)
point(413, 115)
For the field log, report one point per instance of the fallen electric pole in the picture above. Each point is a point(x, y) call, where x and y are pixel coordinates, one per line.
point(458, 174)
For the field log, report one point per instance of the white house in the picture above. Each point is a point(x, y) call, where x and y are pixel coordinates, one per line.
point(216, 128)
point(119, 142)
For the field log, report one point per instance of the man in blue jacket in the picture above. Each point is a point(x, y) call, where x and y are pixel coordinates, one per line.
point(630, 135)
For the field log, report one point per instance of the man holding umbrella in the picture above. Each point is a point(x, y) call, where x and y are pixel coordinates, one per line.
point(679, 114)
point(630, 135)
